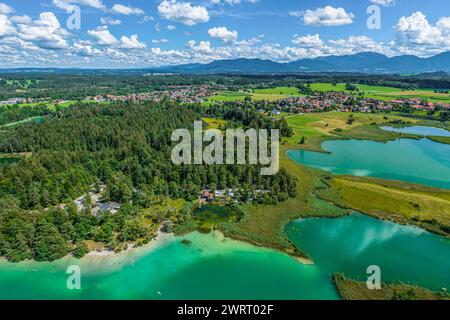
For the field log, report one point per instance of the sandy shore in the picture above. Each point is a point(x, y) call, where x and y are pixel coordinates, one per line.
point(303, 260)
point(160, 238)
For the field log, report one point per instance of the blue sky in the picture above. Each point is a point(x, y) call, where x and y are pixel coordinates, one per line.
point(144, 33)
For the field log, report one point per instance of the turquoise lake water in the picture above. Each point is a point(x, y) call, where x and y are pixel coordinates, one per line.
point(417, 161)
point(351, 244)
point(209, 268)
point(420, 130)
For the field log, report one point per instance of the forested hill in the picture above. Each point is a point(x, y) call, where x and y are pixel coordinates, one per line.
point(124, 146)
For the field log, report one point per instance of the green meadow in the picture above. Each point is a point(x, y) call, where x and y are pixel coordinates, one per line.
point(270, 94)
point(227, 96)
point(273, 94)
point(385, 93)
point(374, 92)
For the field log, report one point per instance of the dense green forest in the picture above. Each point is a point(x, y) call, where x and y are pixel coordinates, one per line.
point(124, 146)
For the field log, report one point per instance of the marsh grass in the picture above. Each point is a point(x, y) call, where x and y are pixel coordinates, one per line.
point(353, 290)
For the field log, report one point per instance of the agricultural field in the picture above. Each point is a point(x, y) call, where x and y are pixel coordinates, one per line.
point(271, 94)
point(385, 93)
point(227, 96)
point(374, 92)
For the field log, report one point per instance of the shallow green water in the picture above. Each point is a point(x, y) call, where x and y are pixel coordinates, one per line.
point(420, 130)
point(418, 161)
point(208, 268)
point(352, 243)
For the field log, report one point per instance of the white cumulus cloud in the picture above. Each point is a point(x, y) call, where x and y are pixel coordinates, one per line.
point(21, 19)
point(416, 35)
point(132, 42)
point(231, 2)
point(356, 44)
point(5, 9)
point(223, 34)
point(183, 12)
point(103, 36)
point(6, 27)
point(202, 47)
point(327, 17)
point(46, 32)
point(85, 48)
point(308, 41)
point(384, 3)
point(110, 21)
point(121, 9)
point(65, 4)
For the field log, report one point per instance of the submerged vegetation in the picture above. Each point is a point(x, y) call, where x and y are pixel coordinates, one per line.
point(353, 290)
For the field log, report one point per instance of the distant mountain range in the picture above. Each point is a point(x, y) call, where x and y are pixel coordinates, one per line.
point(367, 62)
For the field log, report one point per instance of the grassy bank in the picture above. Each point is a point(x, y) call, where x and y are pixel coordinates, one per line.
point(318, 127)
point(401, 202)
point(354, 290)
point(441, 139)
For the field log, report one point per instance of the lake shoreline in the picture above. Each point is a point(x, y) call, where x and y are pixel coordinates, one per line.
point(158, 239)
point(97, 255)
